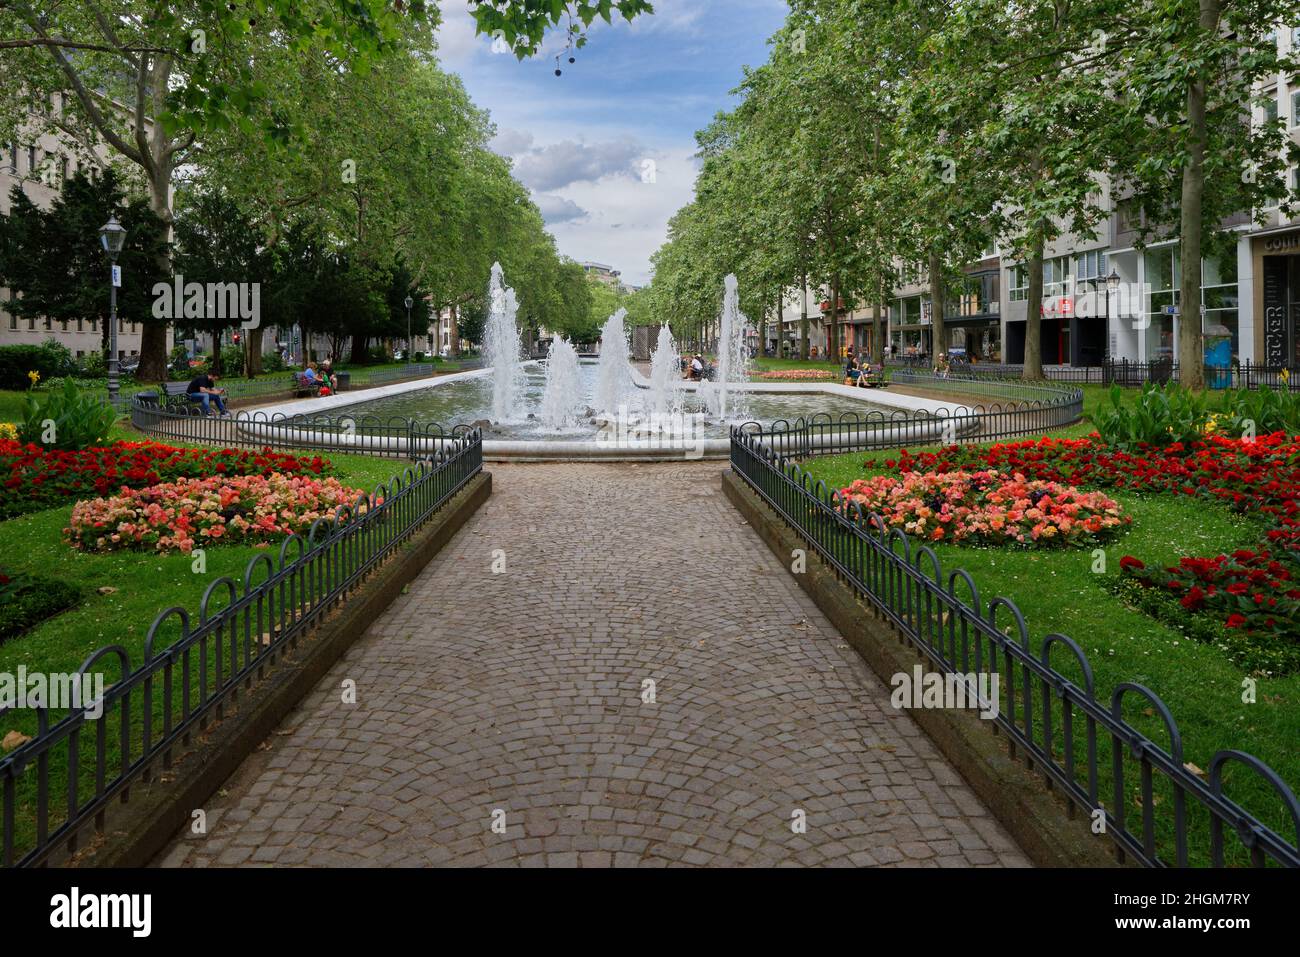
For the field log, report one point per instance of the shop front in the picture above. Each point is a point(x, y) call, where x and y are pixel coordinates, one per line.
point(1277, 298)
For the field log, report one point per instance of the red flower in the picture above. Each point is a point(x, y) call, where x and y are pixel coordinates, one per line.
point(1128, 561)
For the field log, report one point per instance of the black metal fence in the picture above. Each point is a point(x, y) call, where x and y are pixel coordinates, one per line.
point(62, 781)
point(182, 421)
point(281, 383)
point(1027, 410)
point(1056, 723)
point(1126, 373)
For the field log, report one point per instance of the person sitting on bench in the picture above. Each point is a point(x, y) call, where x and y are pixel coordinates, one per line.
point(203, 388)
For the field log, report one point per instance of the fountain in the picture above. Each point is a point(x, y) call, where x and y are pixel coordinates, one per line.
point(563, 393)
point(725, 399)
point(665, 376)
point(613, 374)
point(502, 349)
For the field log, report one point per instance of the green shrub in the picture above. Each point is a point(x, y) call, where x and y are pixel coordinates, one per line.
point(93, 365)
point(77, 420)
point(232, 360)
point(272, 362)
point(1261, 411)
point(1161, 415)
point(179, 360)
point(26, 600)
point(48, 360)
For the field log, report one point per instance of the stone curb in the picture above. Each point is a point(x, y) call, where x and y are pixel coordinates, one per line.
point(137, 831)
point(1016, 797)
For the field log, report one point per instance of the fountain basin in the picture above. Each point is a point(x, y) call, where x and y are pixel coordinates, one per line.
point(463, 398)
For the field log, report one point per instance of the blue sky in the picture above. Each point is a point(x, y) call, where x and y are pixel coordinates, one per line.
point(606, 148)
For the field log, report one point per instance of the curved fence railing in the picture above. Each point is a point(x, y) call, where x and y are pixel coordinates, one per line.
point(62, 781)
point(181, 421)
point(989, 386)
point(1129, 373)
point(1055, 722)
point(824, 433)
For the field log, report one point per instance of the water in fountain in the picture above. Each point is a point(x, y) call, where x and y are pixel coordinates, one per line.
point(563, 392)
point(665, 375)
point(502, 349)
point(613, 373)
point(725, 399)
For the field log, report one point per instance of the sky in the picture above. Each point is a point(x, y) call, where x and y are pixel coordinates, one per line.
point(607, 148)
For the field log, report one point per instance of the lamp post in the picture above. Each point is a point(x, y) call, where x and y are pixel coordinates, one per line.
point(409, 303)
point(112, 236)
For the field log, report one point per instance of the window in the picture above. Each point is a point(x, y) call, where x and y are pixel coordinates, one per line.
point(1270, 105)
point(1056, 277)
point(1295, 108)
point(1091, 265)
point(31, 161)
point(1130, 217)
point(12, 150)
point(1018, 283)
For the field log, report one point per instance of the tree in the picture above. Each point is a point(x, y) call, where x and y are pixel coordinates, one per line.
point(52, 262)
point(1185, 145)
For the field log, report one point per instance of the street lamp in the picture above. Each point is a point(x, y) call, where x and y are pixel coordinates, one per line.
point(409, 303)
point(112, 236)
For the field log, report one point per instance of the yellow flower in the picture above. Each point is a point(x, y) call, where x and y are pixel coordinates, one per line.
point(1285, 376)
point(34, 376)
point(8, 430)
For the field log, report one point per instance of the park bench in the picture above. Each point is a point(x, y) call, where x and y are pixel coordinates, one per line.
point(301, 387)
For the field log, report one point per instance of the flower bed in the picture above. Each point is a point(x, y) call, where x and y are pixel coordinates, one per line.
point(988, 507)
point(1245, 602)
point(35, 478)
point(1260, 476)
point(177, 516)
point(799, 375)
point(1248, 592)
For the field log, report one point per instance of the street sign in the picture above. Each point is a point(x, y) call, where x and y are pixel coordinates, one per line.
point(117, 275)
point(1171, 310)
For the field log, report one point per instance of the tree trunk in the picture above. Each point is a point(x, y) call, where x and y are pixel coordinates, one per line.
point(803, 319)
point(1191, 348)
point(253, 360)
point(453, 333)
point(833, 338)
point(153, 337)
point(1034, 312)
point(938, 343)
point(360, 356)
point(878, 329)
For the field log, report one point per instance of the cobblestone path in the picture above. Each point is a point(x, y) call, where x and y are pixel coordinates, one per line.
point(500, 715)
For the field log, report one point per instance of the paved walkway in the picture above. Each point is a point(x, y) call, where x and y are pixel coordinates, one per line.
point(517, 698)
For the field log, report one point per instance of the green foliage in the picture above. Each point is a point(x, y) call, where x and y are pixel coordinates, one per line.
point(78, 420)
point(93, 365)
point(27, 600)
point(179, 360)
point(1261, 411)
point(17, 361)
point(272, 362)
point(1161, 415)
point(232, 360)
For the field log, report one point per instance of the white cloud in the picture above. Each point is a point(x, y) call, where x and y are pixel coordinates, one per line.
point(557, 209)
point(561, 164)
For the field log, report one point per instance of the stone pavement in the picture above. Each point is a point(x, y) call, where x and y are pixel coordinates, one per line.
point(514, 698)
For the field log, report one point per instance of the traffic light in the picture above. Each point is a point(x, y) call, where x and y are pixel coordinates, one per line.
point(235, 338)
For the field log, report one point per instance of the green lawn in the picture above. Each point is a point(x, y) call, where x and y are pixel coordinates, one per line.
point(1057, 591)
point(123, 593)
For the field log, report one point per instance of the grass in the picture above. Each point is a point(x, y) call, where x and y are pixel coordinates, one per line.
point(1057, 591)
point(122, 593)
